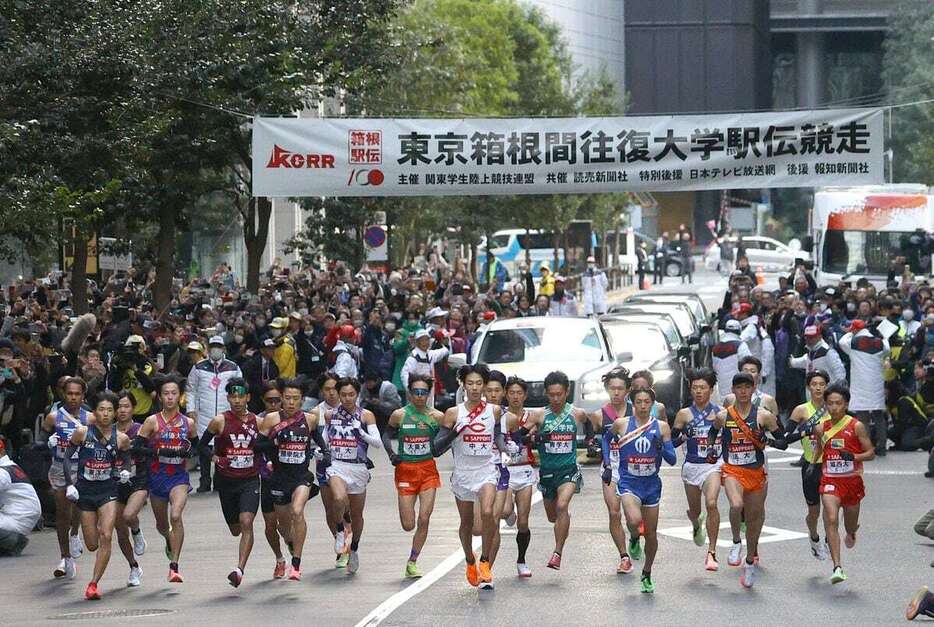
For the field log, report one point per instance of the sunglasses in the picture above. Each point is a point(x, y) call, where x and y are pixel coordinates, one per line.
point(420, 392)
point(273, 399)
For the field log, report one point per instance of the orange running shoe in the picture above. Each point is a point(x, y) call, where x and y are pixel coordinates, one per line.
point(279, 572)
point(473, 576)
point(91, 593)
point(555, 562)
point(175, 577)
point(295, 574)
point(486, 575)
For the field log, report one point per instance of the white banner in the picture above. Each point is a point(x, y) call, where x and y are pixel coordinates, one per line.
point(434, 157)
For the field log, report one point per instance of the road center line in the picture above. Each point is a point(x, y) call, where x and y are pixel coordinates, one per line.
point(390, 605)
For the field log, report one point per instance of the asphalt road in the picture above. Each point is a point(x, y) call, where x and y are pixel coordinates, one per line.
point(886, 565)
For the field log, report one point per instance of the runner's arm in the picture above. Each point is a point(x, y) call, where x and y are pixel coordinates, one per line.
point(498, 436)
point(446, 433)
point(214, 427)
point(668, 450)
point(390, 433)
point(780, 439)
point(678, 437)
point(76, 439)
point(869, 449)
point(368, 431)
point(318, 436)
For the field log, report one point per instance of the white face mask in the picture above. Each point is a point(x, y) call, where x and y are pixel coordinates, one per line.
point(276, 332)
point(216, 354)
point(908, 315)
point(238, 339)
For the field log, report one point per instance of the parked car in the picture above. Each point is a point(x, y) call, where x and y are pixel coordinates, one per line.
point(702, 317)
point(642, 345)
point(763, 252)
point(627, 258)
point(683, 318)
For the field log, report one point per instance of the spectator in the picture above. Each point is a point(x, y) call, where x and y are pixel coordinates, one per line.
point(819, 356)
point(285, 356)
point(19, 506)
point(422, 361)
point(379, 396)
point(259, 370)
point(867, 352)
point(595, 284)
point(562, 302)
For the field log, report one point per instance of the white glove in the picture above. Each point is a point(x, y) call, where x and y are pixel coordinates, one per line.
point(124, 476)
point(318, 455)
point(461, 423)
point(511, 447)
point(71, 493)
point(356, 425)
point(53, 441)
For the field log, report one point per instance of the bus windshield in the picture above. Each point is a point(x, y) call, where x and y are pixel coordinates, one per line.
point(861, 252)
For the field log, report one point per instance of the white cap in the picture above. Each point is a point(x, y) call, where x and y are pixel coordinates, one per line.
point(733, 326)
point(134, 339)
point(195, 346)
point(216, 341)
point(436, 312)
point(422, 333)
point(591, 259)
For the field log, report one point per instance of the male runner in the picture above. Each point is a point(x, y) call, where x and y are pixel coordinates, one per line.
point(555, 427)
point(338, 528)
point(752, 366)
point(523, 476)
point(416, 474)
point(470, 429)
point(691, 426)
point(57, 428)
point(846, 445)
point(272, 402)
point(643, 380)
point(97, 447)
point(642, 442)
point(616, 382)
point(236, 463)
point(351, 430)
point(495, 394)
point(170, 437)
point(286, 436)
point(743, 471)
point(803, 418)
point(131, 496)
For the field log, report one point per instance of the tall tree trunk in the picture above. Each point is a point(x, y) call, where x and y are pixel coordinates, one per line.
point(165, 257)
point(255, 234)
point(557, 243)
point(79, 274)
point(487, 279)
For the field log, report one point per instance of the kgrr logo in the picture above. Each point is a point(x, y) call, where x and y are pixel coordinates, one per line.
point(282, 158)
point(365, 177)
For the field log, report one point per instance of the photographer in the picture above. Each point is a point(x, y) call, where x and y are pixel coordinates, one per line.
point(130, 370)
point(913, 427)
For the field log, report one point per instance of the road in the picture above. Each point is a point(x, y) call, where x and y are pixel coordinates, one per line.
point(888, 562)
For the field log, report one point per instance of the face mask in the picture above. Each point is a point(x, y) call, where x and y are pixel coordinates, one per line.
point(238, 339)
point(303, 311)
point(908, 315)
point(390, 327)
point(216, 354)
point(276, 332)
point(851, 307)
point(260, 323)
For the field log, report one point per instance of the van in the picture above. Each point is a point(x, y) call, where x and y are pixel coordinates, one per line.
point(509, 247)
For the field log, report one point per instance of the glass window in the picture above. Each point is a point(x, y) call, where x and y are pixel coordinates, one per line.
point(500, 241)
point(558, 341)
point(537, 240)
point(861, 252)
point(643, 341)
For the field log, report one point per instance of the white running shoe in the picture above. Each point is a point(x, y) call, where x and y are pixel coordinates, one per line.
point(59, 570)
point(133, 580)
point(71, 569)
point(353, 563)
point(339, 542)
point(511, 519)
point(736, 554)
point(524, 570)
point(819, 550)
point(139, 543)
point(75, 545)
point(749, 575)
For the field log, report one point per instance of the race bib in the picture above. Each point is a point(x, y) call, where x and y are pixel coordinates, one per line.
point(242, 460)
point(478, 444)
point(344, 449)
point(292, 453)
point(416, 445)
point(742, 456)
point(97, 470)
point(839, 467)
point(639, 466)
point(561, 443)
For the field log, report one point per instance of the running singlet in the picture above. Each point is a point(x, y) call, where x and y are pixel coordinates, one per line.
point(841, 436)
point(639, 452)
point(812, 452)
point(64, 427)
point(169, 435)
point(234, 447)
point(415, 433)
point(137, 468)
point(473, 448)
point(609, 417)
point(97, 459)
point(292, 437)
point(344, 443)
point(523, 456)
point(738, 449)
point(696, 448)
point(560, 451)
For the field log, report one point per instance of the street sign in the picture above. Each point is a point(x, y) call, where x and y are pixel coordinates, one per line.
point(375, 239)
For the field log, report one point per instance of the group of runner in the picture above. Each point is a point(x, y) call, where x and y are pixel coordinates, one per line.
point(105, 467)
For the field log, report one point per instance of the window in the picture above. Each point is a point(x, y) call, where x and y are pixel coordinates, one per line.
point(861, 252)
point(500, 241)
point(537, 240)
point(557, 342)
point(646, 343)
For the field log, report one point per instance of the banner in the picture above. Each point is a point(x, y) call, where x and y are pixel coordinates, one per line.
point(445, 157)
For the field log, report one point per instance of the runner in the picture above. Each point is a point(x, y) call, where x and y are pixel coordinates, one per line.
point(475, 476)
point(523, 476)
point(416, 474)
point(555, 427)
point(131, 496)
point(804, 417)
point(644, 380)
point(351, 430)
point(339, 528)
point(846, 445)
point(170, 437)
point(272, 402)
point(97, 447)
point(616, 382)
point(57, 428)
point(286, 435)
point(752, 366)
point(743, 471)
point(691, 426)
point(236, 463)
point(921, 603)
point(642, 442)
point(495, 394)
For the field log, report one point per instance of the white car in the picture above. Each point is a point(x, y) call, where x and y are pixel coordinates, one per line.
point(763, 252)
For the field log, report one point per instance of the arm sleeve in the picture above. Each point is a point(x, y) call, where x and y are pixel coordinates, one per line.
point(66, 463)
point(498, 436)
point(780, 441)
point(442, 441)
point(370, 435)
point(389, 434)
point(204, 444)
point(676, 439)
point(668, 453)
point(605, 448)
point(322, 443)
point(139, 446)
point(712, 435)
point(263, 443)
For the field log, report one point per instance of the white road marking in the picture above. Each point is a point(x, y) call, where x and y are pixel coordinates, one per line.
point(390, 605)
point(769, 534)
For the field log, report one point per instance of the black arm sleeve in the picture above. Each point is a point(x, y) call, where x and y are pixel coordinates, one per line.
point(442, 441)
point(712, 435)
point(264, 444)
point(204, 444)
point(588, 430)
point(791, 426)
point(676, 439)
point(318, 437)
point(780, 442)
point(140, 446)
point(388, 435)
point(499, 438)
point(66, 463)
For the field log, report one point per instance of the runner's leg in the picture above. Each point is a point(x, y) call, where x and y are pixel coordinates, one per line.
point(356, 503)
point(106, 517)
point(562, 512)
point(615, 510)
point(465, 529)
point(178, 499)
point(246, 538)
point(650, 519)
point(523, 509)
point(426, 505)
point(734, 493)
point(486, 495)
point(62, 521)
point(831, 517)
point(754, 506)
point(711, 492)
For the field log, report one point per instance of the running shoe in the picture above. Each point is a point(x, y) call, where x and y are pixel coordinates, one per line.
point(353, 562)
point(91, 593)
point(648, 586)
point(817, 550)
point(914, 607)
point(523, 569)
point(412, 571)
point(235, 577)
point(711, 562)
point(295, 574)
point(849, 540)
point(555, 562)
point(635, 549)
point(279, 571)
point(348, 538)
point(749, 575)
point(342, 560)
point(59, 570)
point(71, 569)
point(75, 545)
point(175, 577)
point(134, 579)
point(838, 575)
point(625, 566)
point(511, 519)
point(473, 576)
point(486, 575)
point(139, 543)
point(339, 542)
point(700, 531)
point(736, 554)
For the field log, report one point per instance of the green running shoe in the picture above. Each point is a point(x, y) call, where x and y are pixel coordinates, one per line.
point(838, 575)
point(648, 585)
point(342, 560)
point(635, 549)
point(700, 532)
point(412, 571)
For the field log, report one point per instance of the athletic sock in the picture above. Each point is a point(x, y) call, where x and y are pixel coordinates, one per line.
point(413, 555)
point(523, 538)
point(134, 565)
point(239, 571)
point(173, 566)
point(339, 527)
point(296, 563)
point(135, 532)
point(816, 538)
point(750, 561)
point(485, 558)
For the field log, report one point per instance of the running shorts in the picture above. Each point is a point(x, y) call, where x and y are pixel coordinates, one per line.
point(91, 501)
point(696, 474)
point(549, 483)
point(647, 489)
point(522, 477)
point(503, 484)
point(415, 477)
point(752, 479)
point(356, 476)
point(161, 484)
point(126, 490)
point(465, 484)
point(850, 490)
point(57, 475)
point(237, 496)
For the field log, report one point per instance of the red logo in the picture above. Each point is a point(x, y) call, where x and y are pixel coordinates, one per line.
point(364, 177)
point(282, 158)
